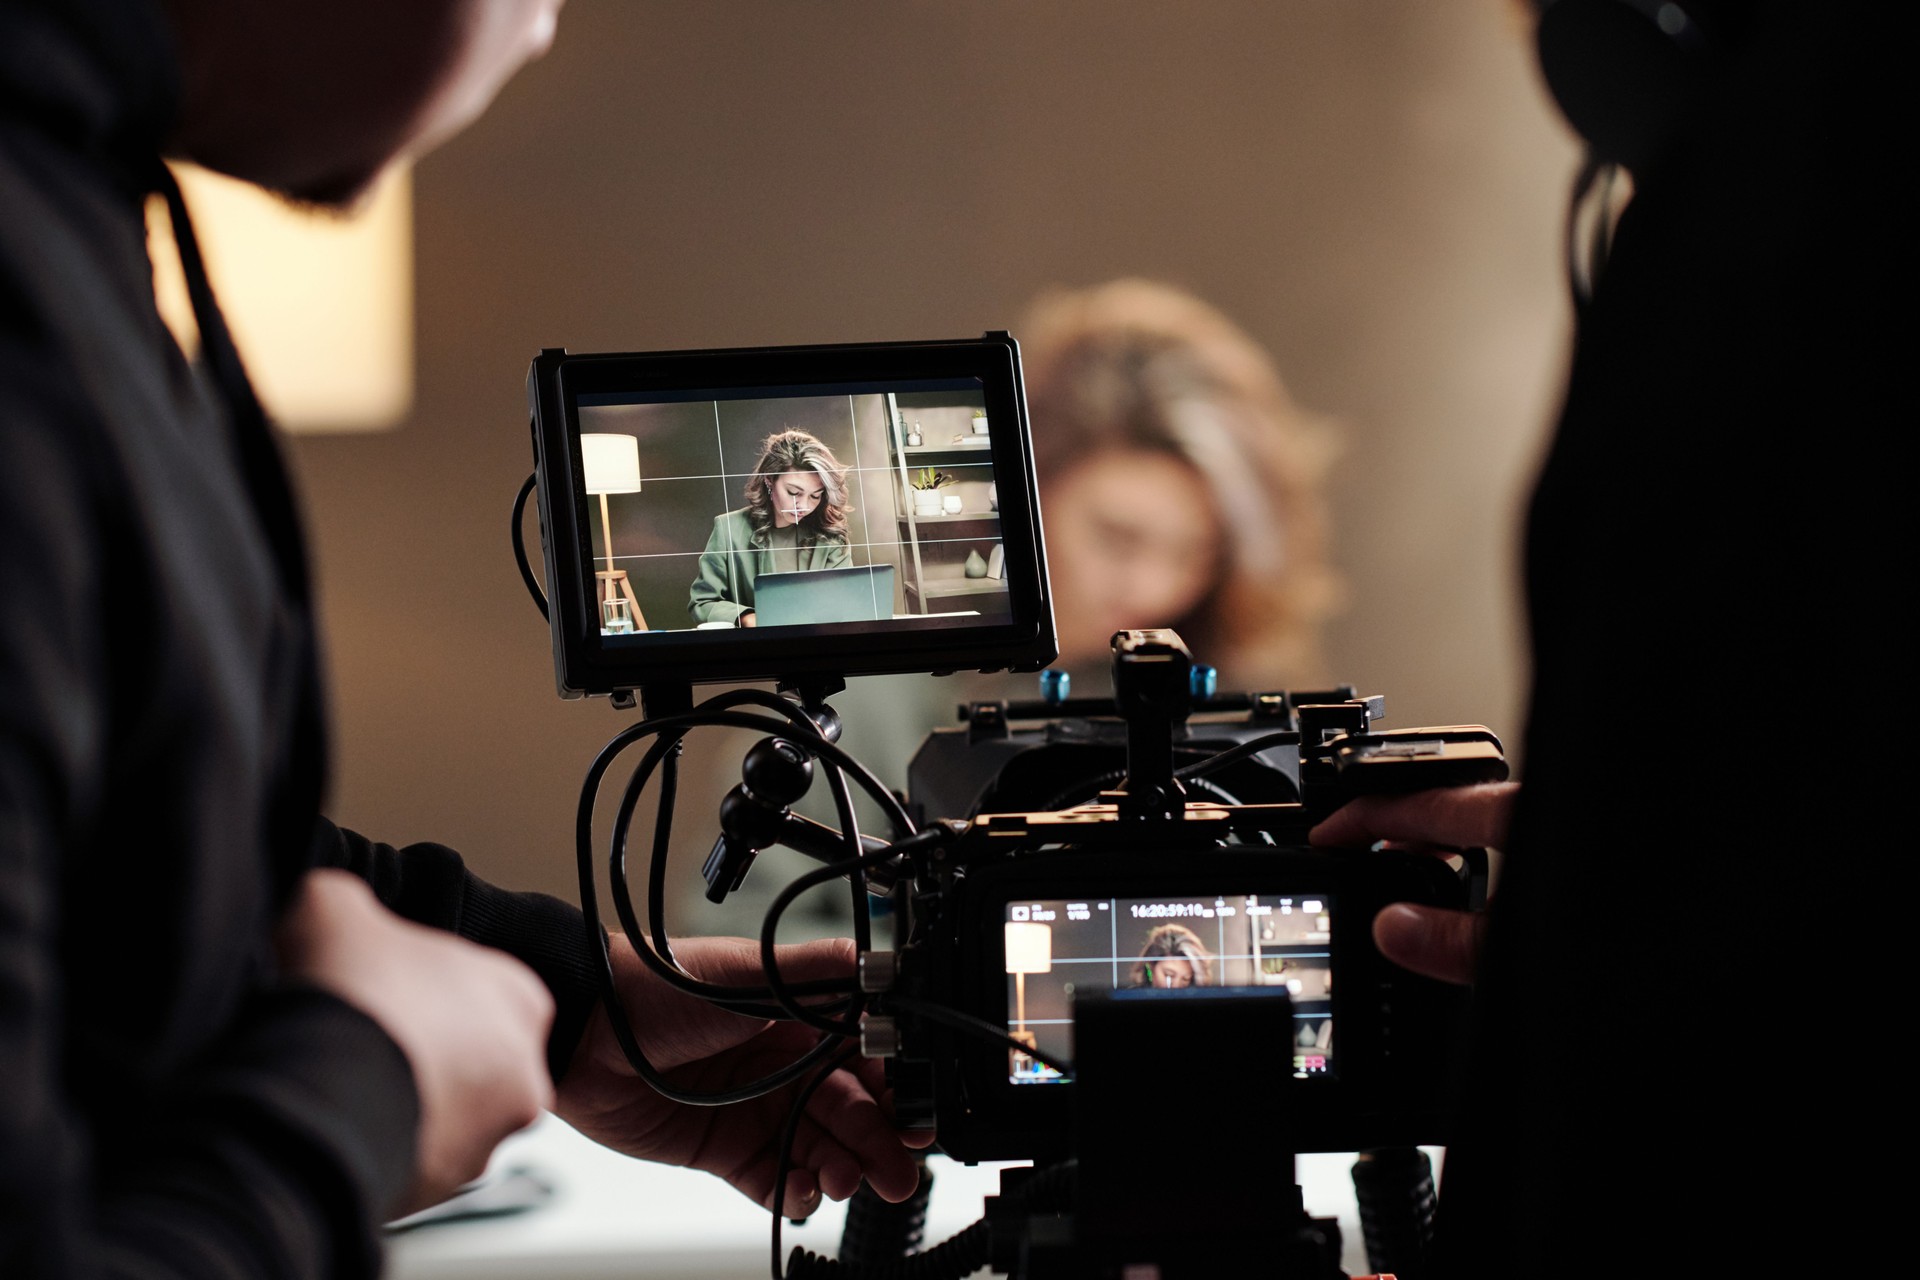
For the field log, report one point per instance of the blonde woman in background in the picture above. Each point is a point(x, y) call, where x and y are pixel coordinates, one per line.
point(1179, 484)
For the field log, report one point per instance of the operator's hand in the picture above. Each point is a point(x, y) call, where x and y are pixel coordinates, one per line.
point(848, 1132)
point(747, 619)
point(1433, 941)
point(472, 1021)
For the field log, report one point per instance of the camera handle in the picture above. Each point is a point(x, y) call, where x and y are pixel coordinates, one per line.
point(1152, 689)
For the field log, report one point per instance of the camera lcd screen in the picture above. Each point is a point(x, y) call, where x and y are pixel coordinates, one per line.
point(1057, 946)
point(867, 509)
point(770, 512)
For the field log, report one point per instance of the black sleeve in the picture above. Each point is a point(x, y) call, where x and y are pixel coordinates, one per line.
point(273, 1147)
point(429, 883)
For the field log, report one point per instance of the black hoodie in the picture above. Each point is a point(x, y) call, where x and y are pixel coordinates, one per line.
point(169, 1106)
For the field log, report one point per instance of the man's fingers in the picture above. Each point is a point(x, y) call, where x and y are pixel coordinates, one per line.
point(1432, 941)
point(812, 961)
point(1457, 817)
point(736, 961)
point(803, 1192)
point(850, 1117)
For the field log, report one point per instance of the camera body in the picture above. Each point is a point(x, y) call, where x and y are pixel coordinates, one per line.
point(1029, 910)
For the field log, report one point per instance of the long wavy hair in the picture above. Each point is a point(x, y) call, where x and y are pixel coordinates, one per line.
point(785, 451)
point(1134, 364)
point(1174, 942)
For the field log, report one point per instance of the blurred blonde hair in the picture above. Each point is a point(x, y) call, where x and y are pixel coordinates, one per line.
point(1134, 364)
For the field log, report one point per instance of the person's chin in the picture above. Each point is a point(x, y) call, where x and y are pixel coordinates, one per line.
point(340, 192)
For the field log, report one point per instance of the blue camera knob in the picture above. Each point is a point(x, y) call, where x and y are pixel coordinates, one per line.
point(1054, 685)
point(1202, 680)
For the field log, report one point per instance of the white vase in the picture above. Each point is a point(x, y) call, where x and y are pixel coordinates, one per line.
point(951, 504)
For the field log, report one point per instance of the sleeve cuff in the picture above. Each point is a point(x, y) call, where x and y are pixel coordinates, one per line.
point(548, 936)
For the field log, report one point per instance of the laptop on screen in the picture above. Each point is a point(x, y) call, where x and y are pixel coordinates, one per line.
point(858, 593)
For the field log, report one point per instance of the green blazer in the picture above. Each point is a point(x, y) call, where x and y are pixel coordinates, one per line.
point(736, 555)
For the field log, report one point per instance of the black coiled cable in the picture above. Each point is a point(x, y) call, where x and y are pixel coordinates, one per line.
point(1048, 1190)
point(1394, 1186)
point(879, 1234)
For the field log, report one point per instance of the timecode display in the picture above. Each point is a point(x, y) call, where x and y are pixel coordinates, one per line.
point(1171, 911)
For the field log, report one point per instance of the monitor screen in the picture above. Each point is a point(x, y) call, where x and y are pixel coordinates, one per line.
point(1055, 947)
point(761, 507)
point(732, 515)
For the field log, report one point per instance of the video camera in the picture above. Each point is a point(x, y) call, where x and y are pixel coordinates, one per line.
point(1108, 923)
point(1144, 886)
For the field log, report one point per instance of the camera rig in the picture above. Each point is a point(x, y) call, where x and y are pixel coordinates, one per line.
point(1021, 1018)
point(1232, 1056)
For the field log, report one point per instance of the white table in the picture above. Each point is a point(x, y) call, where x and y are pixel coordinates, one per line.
point(614, 1217)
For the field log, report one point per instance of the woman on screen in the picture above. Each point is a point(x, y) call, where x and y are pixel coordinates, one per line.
point(795, 520)
point(1173, 956)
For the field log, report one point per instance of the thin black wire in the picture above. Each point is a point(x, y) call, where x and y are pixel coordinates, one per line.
point(589, 901)
point(712, 712)
point(1234, 755)
point(656, 876)
point(664, 754)
point(637, 1058)
point(657, 864)
point(784, 1165)
point(520, 545)
point(782, 991)
point(850, 829)
point(977, 1027)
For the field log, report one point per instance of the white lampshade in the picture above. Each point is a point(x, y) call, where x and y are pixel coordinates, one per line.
point(1029, 947)
point(320, 305)
point(610, 463)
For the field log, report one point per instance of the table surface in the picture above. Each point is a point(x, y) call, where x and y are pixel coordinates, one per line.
point(615, 1217)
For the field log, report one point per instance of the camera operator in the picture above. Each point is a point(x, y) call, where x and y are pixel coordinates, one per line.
point(234, 1038)
point(1640, 1098)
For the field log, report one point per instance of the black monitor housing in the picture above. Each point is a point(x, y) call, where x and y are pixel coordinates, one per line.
point(628, 543)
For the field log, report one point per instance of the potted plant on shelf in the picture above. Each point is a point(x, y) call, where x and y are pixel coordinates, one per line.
point(927, 483)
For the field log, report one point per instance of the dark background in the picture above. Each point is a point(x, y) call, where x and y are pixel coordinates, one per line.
point(1374, 190)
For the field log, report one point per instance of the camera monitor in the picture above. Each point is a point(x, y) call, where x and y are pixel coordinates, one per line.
point(1057, 947)
point(772, 513)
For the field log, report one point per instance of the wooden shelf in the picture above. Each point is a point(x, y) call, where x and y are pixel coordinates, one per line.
point(916, 450)
point(958, 586)
point(964, 517)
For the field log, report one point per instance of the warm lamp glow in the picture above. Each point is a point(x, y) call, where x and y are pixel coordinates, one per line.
point(1029, 947)
point(610, 463)
point(320, 304)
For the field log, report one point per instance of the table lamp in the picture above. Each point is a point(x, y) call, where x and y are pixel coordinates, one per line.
point(611, 464)
point(1029, 950)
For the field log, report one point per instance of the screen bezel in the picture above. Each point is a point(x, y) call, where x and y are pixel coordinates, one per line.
point(996, 950)
point(587, 663)
point(1393, 1060)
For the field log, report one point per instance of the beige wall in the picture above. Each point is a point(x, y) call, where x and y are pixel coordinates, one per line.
point(1373, 189)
